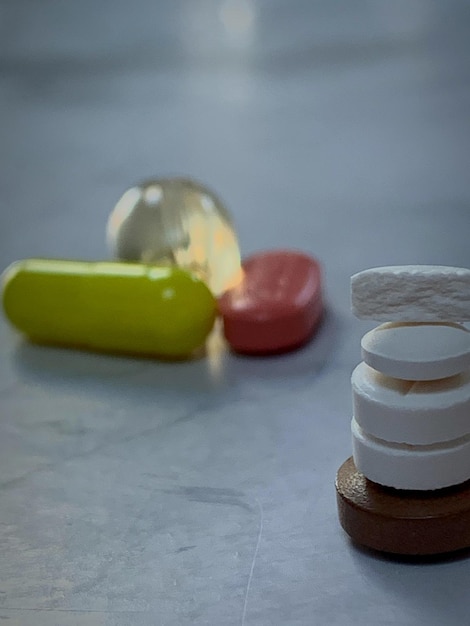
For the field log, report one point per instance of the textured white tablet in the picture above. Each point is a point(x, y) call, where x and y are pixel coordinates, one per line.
point(412, 293)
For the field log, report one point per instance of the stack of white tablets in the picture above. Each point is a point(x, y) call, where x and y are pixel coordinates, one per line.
point(411, 394)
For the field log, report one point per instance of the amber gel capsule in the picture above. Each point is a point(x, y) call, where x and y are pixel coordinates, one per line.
point(114, 307)
point(177, 221)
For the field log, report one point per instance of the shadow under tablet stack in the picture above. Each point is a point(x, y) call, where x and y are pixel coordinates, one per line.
point(406, 489)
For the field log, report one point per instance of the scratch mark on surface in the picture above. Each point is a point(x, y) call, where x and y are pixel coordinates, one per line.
point(184, 549)
point(211, 495)
point(107, 442)
point(255, 554)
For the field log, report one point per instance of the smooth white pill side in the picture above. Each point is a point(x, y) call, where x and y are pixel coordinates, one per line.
point(410, 412)
point(415, 351)
point(411, 467)
point(412, 293)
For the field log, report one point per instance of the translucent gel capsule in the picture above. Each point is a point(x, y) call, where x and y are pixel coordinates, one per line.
point(113, 307)
point(176, 221)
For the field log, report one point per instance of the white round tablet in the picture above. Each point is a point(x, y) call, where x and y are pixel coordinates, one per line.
point(410, 412)
point(411, 467)
point(417, 351)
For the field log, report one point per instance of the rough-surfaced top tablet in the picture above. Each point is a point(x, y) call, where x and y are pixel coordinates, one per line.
point(412, 293)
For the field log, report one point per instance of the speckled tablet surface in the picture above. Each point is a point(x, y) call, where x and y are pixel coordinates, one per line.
point(278, 304)
point(402, 522)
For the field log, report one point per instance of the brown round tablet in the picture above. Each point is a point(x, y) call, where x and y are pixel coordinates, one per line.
point(402, 522)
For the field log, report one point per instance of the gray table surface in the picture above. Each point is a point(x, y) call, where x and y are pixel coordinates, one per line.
point(146, 493)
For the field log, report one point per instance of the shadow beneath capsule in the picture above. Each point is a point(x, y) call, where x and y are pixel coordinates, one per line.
point(206, 372)
point(61, 367)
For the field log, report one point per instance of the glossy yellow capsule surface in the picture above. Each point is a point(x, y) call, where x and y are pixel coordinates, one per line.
point(112, 307)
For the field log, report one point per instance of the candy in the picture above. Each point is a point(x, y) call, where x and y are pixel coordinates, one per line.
point(411, 412)
point(115, 307)
point(177, 221)
point(415, 351)
point(412, 293)
point(277, 306)
point(405, 466)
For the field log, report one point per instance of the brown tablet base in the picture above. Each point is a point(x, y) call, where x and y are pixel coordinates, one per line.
point(402, 522)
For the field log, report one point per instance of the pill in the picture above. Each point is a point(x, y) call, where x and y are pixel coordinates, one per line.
point(176, 221)
point(402, 522)
point(403, 411)
point(412, 293)
point(405, 466)
point(417, 351)
point(277, 305)
point(115, 307)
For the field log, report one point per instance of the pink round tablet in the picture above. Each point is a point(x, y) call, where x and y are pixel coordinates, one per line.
point(277, 306)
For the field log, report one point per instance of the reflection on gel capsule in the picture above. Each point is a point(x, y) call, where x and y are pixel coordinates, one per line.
point(113, 307)
point(175, 221)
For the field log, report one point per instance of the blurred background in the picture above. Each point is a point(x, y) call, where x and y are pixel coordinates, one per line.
point(144, 493)
point(302, 115)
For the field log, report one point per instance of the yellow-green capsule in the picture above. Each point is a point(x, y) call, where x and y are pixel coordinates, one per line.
point(113, 307)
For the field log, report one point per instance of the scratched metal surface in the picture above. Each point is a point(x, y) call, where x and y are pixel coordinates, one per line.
point(144, 493)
